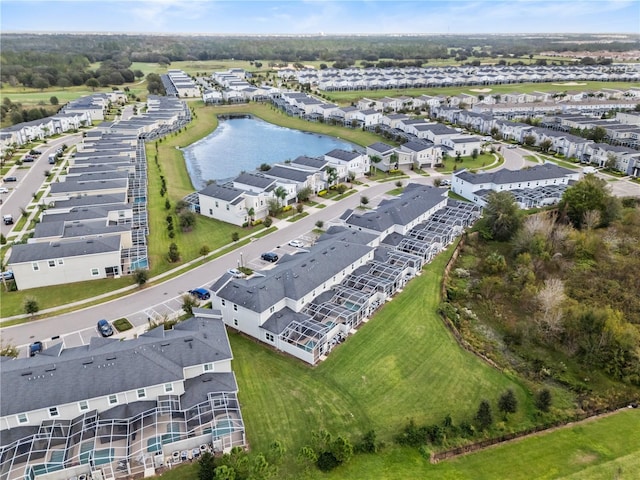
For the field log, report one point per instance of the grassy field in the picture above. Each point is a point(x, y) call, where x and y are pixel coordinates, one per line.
point(483, 160)
point(403, 364)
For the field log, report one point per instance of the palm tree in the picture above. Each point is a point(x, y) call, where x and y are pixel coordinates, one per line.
point(251, 212)
point(375, 160)
point(280, 194)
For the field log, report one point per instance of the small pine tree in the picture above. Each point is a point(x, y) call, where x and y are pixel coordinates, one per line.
point(508, 403)
point(543, 400)
point(484, 417)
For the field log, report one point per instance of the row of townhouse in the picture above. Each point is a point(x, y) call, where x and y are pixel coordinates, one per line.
point(71, 117)
point(247, 197)
point(178, 84)
point(120, 409)
point(332, 79)
point(95, 221)
point(315, 298)
point(622, 136)
point(232, 87)
point(532, 187)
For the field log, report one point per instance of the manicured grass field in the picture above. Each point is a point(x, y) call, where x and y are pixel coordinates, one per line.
point(605, 448)
point(402, 364)
point(483, 160)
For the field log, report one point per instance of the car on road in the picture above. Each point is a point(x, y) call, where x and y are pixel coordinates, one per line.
point(28, 158)
point(200, 293)
point(10, 178)
point(4, 190)
point(104, 327)
point(296, 243)
point(512, 146)
point(269, 257)
point(7, 219)
point(35, 152)
point(35, 348)
point(235, 273)
point(445, 183)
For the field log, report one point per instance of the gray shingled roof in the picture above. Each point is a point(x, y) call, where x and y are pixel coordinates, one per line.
point(399, 211)
point(254, 180)
point(381, 147)
point(277, 322)
point(32, 252)
point(221, 192)
point(416, 146)
point(84, 200)
point(69, 187)
point(295, 276)
point(107, 366)
point(281, 171)
point(537, 172)
point(316, 163)
point(342, 154)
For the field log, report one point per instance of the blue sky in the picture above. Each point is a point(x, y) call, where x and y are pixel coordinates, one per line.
point(321, 16)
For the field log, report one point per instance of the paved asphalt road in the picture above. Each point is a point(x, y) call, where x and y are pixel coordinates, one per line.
point(133, 305)
point(30, 180)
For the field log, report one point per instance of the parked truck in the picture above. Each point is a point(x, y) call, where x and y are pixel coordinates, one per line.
point(52, 159)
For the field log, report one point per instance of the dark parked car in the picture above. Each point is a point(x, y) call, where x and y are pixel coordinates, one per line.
point(200, 293)
point(269, 257)
point(34, 348)
point(10, 179)
point(104, 327)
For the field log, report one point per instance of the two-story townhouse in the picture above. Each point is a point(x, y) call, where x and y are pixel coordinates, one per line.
point(345, 162)
point(179, 394)
point(224, 203)
point(418, 154)
point(532, 187)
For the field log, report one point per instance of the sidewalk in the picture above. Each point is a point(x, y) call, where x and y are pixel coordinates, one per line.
point(278, 223)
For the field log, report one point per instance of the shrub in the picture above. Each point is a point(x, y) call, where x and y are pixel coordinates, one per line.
point(235, 236)
point(322, 193)
point(268, 222)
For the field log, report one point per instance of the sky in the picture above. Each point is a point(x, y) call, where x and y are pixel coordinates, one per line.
point(310, 17)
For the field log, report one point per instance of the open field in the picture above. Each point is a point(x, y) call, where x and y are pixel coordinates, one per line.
point(403, 364)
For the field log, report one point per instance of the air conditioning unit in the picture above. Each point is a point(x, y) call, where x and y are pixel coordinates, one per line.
point(97, 475)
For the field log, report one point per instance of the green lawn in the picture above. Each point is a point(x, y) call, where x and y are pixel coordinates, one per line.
point(483, 160)
point(402, 364)
point(607, 448)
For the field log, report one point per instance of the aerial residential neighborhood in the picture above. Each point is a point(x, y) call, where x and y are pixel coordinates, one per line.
point(339, 244)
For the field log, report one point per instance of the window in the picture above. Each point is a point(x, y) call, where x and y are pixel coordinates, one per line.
point(208, 367)
point(53, 412)
point(113, 399)
point(95, 272)
point(22, 418)
point(272, 309)
point(35, 266)
point(223, 302)
point(216, 204)
point(142, 393)
point(83, 405)
point(211, 211)
point(227, 206)
point(60, 261)
point(168, 387)
point(235, 307)
point(235, 322)
point(52, 263)
point(269, 337)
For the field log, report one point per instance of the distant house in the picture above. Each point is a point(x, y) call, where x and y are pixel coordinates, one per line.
point(345, 162)
point(224, 203)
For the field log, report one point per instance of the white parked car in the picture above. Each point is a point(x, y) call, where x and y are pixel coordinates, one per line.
point(235, 273)
point(296, 243)
point(4, 190)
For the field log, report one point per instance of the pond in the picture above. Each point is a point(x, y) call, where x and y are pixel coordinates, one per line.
point(243, 144)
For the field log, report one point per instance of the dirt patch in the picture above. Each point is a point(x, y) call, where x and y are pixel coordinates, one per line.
point(584, 458)
point(570, 84)
point(480, 90)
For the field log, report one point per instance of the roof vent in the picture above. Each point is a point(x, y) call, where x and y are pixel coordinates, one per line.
point(165, 344)
point(88, 363)
point(110, 358)
point(190, 339)
point(26, 374)
point(55, 244)
point(50, 369)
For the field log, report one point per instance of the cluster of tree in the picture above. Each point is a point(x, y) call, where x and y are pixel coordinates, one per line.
point(43, 69)
point(565, 279)
point(155, 85)
point(58, 50)
point(238, 464)
point(13, 112)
